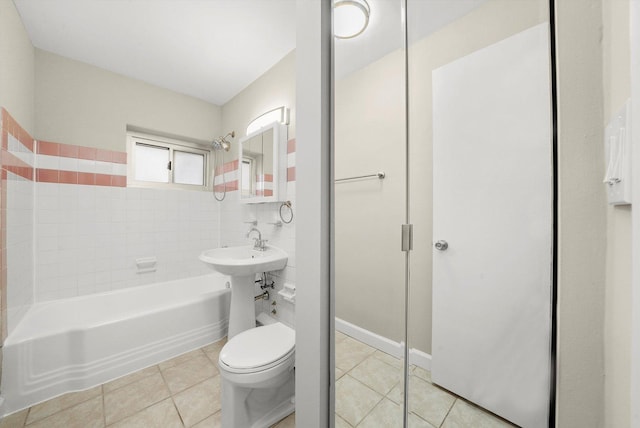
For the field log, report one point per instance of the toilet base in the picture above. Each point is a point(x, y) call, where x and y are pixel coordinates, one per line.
point(276, 414)
point(256, 407)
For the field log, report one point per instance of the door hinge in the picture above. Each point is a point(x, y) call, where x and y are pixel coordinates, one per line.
point(407, 237)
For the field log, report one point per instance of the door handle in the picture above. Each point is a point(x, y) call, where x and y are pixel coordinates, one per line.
point(441, 245)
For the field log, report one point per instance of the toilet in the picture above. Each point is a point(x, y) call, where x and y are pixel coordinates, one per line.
point(257, 373)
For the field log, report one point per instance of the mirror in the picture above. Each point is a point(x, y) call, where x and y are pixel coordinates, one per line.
point(263, 173)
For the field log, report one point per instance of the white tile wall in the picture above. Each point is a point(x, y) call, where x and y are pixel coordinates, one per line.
point(89, 237)
point(20, 247)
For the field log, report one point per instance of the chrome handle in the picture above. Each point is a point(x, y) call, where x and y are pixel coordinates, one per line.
point(441, 245)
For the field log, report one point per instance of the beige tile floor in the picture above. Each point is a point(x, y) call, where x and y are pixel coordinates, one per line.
point(185, 392)
point(370, 393)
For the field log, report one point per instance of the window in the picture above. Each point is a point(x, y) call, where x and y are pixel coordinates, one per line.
point(164, 162)
point(248, 171)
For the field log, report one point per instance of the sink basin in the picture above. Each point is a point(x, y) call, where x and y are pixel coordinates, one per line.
point(240, 261)
point(242, 264)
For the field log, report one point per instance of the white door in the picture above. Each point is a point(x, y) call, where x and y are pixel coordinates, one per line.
point(493, 206)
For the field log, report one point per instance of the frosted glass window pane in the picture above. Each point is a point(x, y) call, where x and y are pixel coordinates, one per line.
point(151, 163)
point(246, 177)
point(246, 174)
point(188, 168)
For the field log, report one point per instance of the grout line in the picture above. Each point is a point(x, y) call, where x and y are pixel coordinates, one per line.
point(140, 411)
point(186, 389)
point(104, 407)
point(129, 383)
point(371, 389)
point(26, 418)
point(177, 411)
point(370, 411)
point(450, 408)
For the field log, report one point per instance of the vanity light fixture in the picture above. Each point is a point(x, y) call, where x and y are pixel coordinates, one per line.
point(350, 18)
point(280, 115)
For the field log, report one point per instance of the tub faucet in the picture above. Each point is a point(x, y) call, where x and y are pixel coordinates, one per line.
point(260, 244)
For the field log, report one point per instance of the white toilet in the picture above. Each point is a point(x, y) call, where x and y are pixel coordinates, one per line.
point(257, 372)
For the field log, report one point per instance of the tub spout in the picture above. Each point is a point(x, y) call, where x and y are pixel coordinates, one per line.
point(262, 296)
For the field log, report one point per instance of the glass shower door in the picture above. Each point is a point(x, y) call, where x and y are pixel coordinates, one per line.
point(444, 125)
point(370, 207)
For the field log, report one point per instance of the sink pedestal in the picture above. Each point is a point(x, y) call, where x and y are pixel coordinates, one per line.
point(242, 264)
point(242, 313)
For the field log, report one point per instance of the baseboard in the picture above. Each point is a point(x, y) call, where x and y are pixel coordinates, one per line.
point(420, 359)
point(388, 346)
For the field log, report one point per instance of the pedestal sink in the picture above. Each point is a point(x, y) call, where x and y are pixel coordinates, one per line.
point(242, 264)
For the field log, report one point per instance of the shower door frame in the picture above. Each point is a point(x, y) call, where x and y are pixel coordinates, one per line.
point(635, 250)
point(326, 243)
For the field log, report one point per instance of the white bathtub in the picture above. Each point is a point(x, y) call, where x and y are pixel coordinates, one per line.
point(77, 343)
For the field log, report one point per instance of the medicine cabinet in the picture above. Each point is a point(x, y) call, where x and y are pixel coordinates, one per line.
point(263, 165)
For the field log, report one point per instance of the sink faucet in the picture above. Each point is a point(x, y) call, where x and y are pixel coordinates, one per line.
point(260, 244)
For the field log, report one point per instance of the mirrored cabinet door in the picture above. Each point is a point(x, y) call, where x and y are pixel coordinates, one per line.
point(263, 162)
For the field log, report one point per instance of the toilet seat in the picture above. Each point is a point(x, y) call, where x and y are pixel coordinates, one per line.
point(258, 349)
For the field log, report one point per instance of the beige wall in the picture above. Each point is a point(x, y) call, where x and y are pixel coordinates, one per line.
point(16, 67)
point(80, 104)
point(369, 137)
point(617, 319)
point(582, 215)
point(275, 88)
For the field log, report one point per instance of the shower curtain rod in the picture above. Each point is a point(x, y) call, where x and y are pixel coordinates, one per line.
point(379, 175)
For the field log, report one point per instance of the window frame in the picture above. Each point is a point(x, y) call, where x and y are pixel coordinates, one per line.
point(173, 145)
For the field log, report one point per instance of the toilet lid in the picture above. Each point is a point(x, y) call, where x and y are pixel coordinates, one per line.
point(258, 346)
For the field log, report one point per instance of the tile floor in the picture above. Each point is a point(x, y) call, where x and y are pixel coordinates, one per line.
point(370, 392)
point(185, 392)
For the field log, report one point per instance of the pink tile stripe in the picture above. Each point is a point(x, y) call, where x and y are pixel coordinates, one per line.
point(11, 126)
point(227, 167)
point(75, 177)
point(230, 186)
point(15, 165)
point(82, 178)
point(291, 145)
point(78, 152)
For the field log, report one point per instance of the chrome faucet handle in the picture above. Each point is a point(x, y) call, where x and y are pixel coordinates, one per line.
point(252, 222)
point(260, 244)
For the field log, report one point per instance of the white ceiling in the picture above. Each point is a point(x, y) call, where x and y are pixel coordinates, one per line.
point(210, 49)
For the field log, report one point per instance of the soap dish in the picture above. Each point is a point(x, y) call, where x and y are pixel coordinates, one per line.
point(288, 293)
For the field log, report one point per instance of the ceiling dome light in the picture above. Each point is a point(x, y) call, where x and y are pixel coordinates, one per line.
point(350, 18)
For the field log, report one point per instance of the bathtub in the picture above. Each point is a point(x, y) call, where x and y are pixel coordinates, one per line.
point(77, 343)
